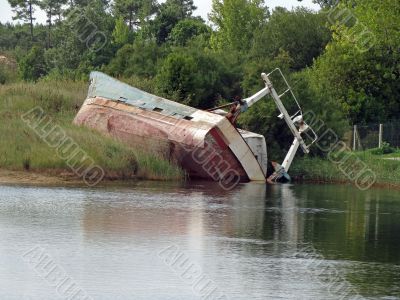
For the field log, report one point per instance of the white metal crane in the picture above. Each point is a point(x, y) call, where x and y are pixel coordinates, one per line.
point(295, 122)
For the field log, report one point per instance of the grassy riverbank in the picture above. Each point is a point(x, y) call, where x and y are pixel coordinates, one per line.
point(314, 169)
point(21, 149)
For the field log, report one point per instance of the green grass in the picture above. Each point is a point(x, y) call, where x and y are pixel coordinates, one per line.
point(392, 155)
point(22, 149)
point(315, 169)
point(321, 169)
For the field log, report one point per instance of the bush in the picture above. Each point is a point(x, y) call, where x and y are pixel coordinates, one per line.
point(140, 59)
point(196, 77)
point(3, 74)
point(385, 149)
point(188, 29)
point(33, 65)
point(8, 73)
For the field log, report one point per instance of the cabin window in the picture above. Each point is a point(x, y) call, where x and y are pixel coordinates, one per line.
point(157, 109)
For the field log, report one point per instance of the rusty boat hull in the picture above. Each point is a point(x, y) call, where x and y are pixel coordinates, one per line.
point(206, 145)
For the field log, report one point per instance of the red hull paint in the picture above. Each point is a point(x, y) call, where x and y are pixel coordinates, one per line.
point(200, 149)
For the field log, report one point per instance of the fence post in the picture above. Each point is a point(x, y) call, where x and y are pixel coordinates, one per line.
point(355, 138)
point(380, 135)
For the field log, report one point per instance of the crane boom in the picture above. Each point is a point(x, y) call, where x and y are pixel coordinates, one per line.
point(295, 122)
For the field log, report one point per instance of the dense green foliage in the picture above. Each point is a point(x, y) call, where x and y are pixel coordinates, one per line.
point(186, 30)
point(237, 21)
point(343, 70)
point(140, 58)
point(301, 33)
point(197, 78)
point(360, 68)
point(33, 65)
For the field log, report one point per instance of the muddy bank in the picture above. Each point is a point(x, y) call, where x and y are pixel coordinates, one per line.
point(37, 179)
point(54, 178)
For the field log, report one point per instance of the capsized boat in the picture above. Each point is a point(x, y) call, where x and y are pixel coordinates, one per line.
point(206, 144)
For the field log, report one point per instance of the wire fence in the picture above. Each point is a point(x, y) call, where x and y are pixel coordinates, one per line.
point(372, 136)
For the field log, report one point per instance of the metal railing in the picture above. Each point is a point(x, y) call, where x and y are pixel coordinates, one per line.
point(364, 137)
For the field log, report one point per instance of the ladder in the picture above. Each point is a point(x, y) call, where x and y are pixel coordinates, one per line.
point(295, 122)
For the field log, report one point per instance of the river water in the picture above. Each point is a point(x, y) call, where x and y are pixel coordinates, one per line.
point(194, 241)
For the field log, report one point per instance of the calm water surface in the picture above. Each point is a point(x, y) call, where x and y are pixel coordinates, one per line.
point(255, 242)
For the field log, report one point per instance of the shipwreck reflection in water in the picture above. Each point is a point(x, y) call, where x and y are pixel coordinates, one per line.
point(108, 238)
point(334, 218)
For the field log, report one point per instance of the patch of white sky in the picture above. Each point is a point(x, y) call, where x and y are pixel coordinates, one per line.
point(203, 8)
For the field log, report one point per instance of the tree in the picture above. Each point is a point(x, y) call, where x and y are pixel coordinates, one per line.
point(302, 33)
point(24, 10)
point(236, 22)
point(195, 77)
point(33, 65)
point(187, 29)
point(138, 59)
point(82, 41)
point(184, 8)
point(81, 4)
point(360, 68)
point(52, 8)
point(134, 12)
point(170, 13)
point(121, 34)
point(8, 38)
point(325, 3)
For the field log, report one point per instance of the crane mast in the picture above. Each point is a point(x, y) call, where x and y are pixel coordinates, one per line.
point(295, 123)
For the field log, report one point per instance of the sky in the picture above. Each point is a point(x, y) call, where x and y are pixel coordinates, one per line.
point(204, 7)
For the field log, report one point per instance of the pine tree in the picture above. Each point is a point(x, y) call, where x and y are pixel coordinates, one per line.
point(53, 8)
point(237, 22)
point(171, 12)
point(24, 10)
point(121, 33)
point(134, 12)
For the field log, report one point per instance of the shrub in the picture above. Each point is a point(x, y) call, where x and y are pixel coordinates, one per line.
point(3, 74)
point(195, 77)
point(8, 71)
point(139, 58)
point(33, 65)
point(385, 149)
point(186, 30)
